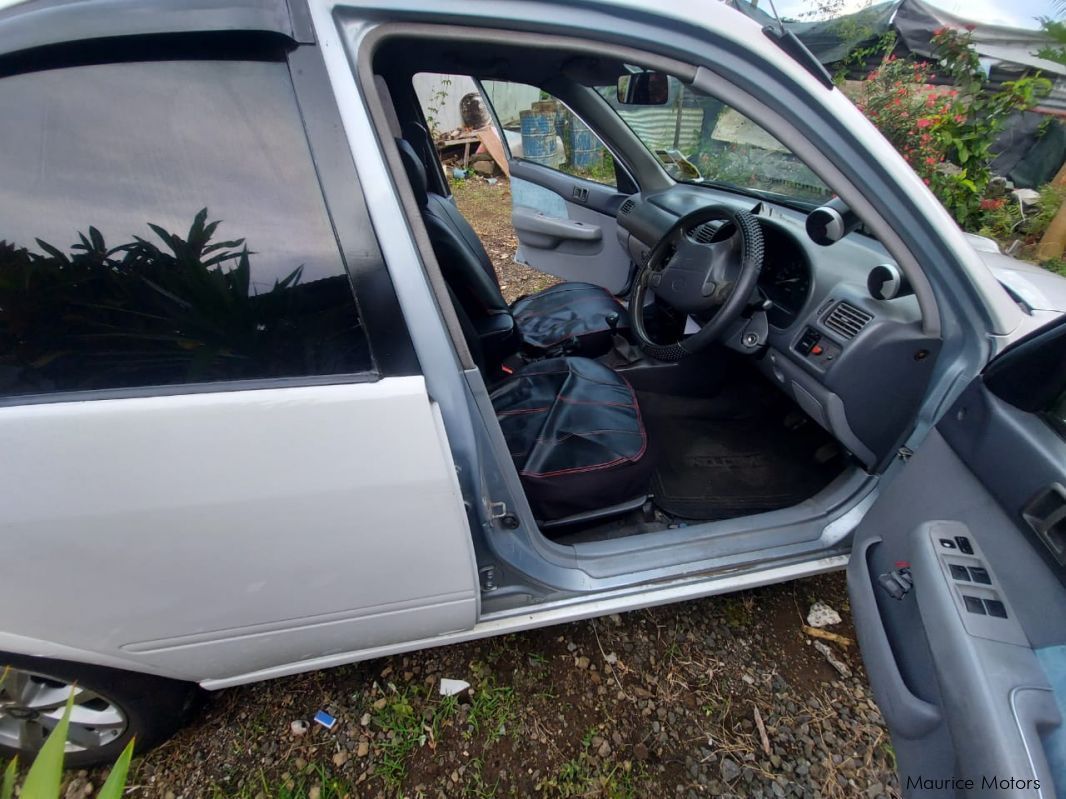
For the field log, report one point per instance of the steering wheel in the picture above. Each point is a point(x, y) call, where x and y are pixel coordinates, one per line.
point(696, 272)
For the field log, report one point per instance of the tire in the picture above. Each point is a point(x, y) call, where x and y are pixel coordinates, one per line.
point(125, 704)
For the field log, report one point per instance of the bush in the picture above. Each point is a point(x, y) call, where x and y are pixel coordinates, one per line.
point(947, 135)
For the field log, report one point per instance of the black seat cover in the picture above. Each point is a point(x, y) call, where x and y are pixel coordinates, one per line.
point(575, 432)
point(580, 311)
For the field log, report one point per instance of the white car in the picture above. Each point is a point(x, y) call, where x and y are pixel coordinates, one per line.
point(263, 407)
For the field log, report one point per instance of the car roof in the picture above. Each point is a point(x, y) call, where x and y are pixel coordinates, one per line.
point(39, 23)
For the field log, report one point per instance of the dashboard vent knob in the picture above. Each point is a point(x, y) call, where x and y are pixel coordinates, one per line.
point(846, 320)
point(886, 282)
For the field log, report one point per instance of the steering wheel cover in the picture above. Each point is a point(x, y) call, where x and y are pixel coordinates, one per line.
point(752, 251)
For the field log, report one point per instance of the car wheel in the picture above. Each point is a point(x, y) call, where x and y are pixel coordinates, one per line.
point(110, 708)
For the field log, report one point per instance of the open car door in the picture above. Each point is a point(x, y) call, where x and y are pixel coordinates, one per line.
point(958, 587)
point(564, 192)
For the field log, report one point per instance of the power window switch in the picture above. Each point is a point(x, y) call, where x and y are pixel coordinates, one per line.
point(959, 572)
point(995, 608)
point(964, 545)
point(974, 604)
point(947, 543)
point(980, 575)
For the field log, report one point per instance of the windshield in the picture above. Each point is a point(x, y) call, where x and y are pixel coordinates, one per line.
point(700, 139)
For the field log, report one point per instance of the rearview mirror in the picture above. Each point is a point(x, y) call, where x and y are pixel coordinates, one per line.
point(644, 88)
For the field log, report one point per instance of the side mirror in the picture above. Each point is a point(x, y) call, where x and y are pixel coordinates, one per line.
point(644, 88)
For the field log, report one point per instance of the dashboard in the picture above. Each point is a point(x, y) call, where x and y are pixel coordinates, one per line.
point(856, 364)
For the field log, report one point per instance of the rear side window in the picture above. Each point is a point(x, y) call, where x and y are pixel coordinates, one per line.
point(162, 223)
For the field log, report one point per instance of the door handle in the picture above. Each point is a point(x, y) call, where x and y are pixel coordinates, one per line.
point(1046, 514)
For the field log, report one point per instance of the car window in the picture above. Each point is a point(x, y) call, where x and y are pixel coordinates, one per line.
point(163, 224)
point(700, 139)
point(540, 128)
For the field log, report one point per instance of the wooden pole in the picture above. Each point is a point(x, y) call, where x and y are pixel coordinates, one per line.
point(1053, 242)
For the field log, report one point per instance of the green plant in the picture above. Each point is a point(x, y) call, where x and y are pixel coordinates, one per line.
point(44, 779)
point(492, 708)
point(947, 136)
point(436, 103)
point(183, 310)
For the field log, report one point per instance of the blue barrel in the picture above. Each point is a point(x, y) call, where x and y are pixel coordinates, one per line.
point(585, 148)
point(538, 137)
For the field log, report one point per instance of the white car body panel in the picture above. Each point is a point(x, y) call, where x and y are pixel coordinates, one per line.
point(206, 535)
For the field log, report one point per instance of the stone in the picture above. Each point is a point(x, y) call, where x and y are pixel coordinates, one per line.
point(363, 749)
point(730, 770)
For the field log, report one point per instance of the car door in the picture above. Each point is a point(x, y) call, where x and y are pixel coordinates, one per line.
point(564, 192)
point(958, 587)
point(220, 459)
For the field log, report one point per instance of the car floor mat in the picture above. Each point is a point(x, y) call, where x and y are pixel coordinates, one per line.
point(732, 456)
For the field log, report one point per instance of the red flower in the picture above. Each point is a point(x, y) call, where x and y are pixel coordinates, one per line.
point(924, 122)
point(930, 161)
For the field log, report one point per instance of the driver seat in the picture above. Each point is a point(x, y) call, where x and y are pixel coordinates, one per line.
point(578, 318)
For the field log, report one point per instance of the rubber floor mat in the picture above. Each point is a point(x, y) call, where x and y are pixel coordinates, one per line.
point(719, 459)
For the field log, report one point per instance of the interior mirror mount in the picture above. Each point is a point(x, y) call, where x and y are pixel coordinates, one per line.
point(644, 88)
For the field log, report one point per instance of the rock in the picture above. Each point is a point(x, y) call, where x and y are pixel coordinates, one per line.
point(298, 728)
point(380, 704)
point(365, 720)
point(363, 749)
point(640, 752)
point(582, 662)
point(571, 647)
point(836, 663)
point(821, 615)
point(315, 792)
point(486, 168)
point(730, 770)
point(604, 750)
point(340, 758)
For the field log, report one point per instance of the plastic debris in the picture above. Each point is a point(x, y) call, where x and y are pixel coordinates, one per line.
point(449, 687)
point(325, 719)
point(821, 615)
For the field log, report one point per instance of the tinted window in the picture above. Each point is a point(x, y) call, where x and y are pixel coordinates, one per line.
point(162, 223)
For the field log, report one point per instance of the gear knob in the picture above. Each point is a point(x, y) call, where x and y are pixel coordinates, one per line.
point(612, 321)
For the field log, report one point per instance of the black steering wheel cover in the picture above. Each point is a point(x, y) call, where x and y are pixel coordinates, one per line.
point(752, 252)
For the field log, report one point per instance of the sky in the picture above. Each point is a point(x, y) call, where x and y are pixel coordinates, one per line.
point(1016, 13)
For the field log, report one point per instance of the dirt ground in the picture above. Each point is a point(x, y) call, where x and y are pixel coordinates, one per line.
point(720, 697)
point(488, 207)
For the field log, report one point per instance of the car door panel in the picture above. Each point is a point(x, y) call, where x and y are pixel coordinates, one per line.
point(541, 194)
point(963, 665)
point(214, 534)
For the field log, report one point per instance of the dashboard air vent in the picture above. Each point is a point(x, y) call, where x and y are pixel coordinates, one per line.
point(846, 319)
point(705, 233)
point(627, 207)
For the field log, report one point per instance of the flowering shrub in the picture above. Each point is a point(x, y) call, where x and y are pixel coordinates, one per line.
point(946, 135)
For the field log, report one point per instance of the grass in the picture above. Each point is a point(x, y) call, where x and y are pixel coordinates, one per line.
point(316, 783)
point(406, 729)
point(585, 775)
point(492, 708)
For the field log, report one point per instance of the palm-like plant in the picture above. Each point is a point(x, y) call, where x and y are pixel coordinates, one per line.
point(180, 311)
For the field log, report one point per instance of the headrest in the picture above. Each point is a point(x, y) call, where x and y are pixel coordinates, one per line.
point(416, 170)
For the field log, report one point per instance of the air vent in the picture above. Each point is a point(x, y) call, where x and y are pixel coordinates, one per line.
point(627, 207)
point(846, 319)
point(705, 233)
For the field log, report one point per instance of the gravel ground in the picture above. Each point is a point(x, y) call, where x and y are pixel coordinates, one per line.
point(721, 697)
point(663, 702)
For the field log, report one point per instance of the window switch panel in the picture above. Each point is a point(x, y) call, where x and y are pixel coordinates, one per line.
point(959, 572)
point(995, 608)
point(974, 604)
